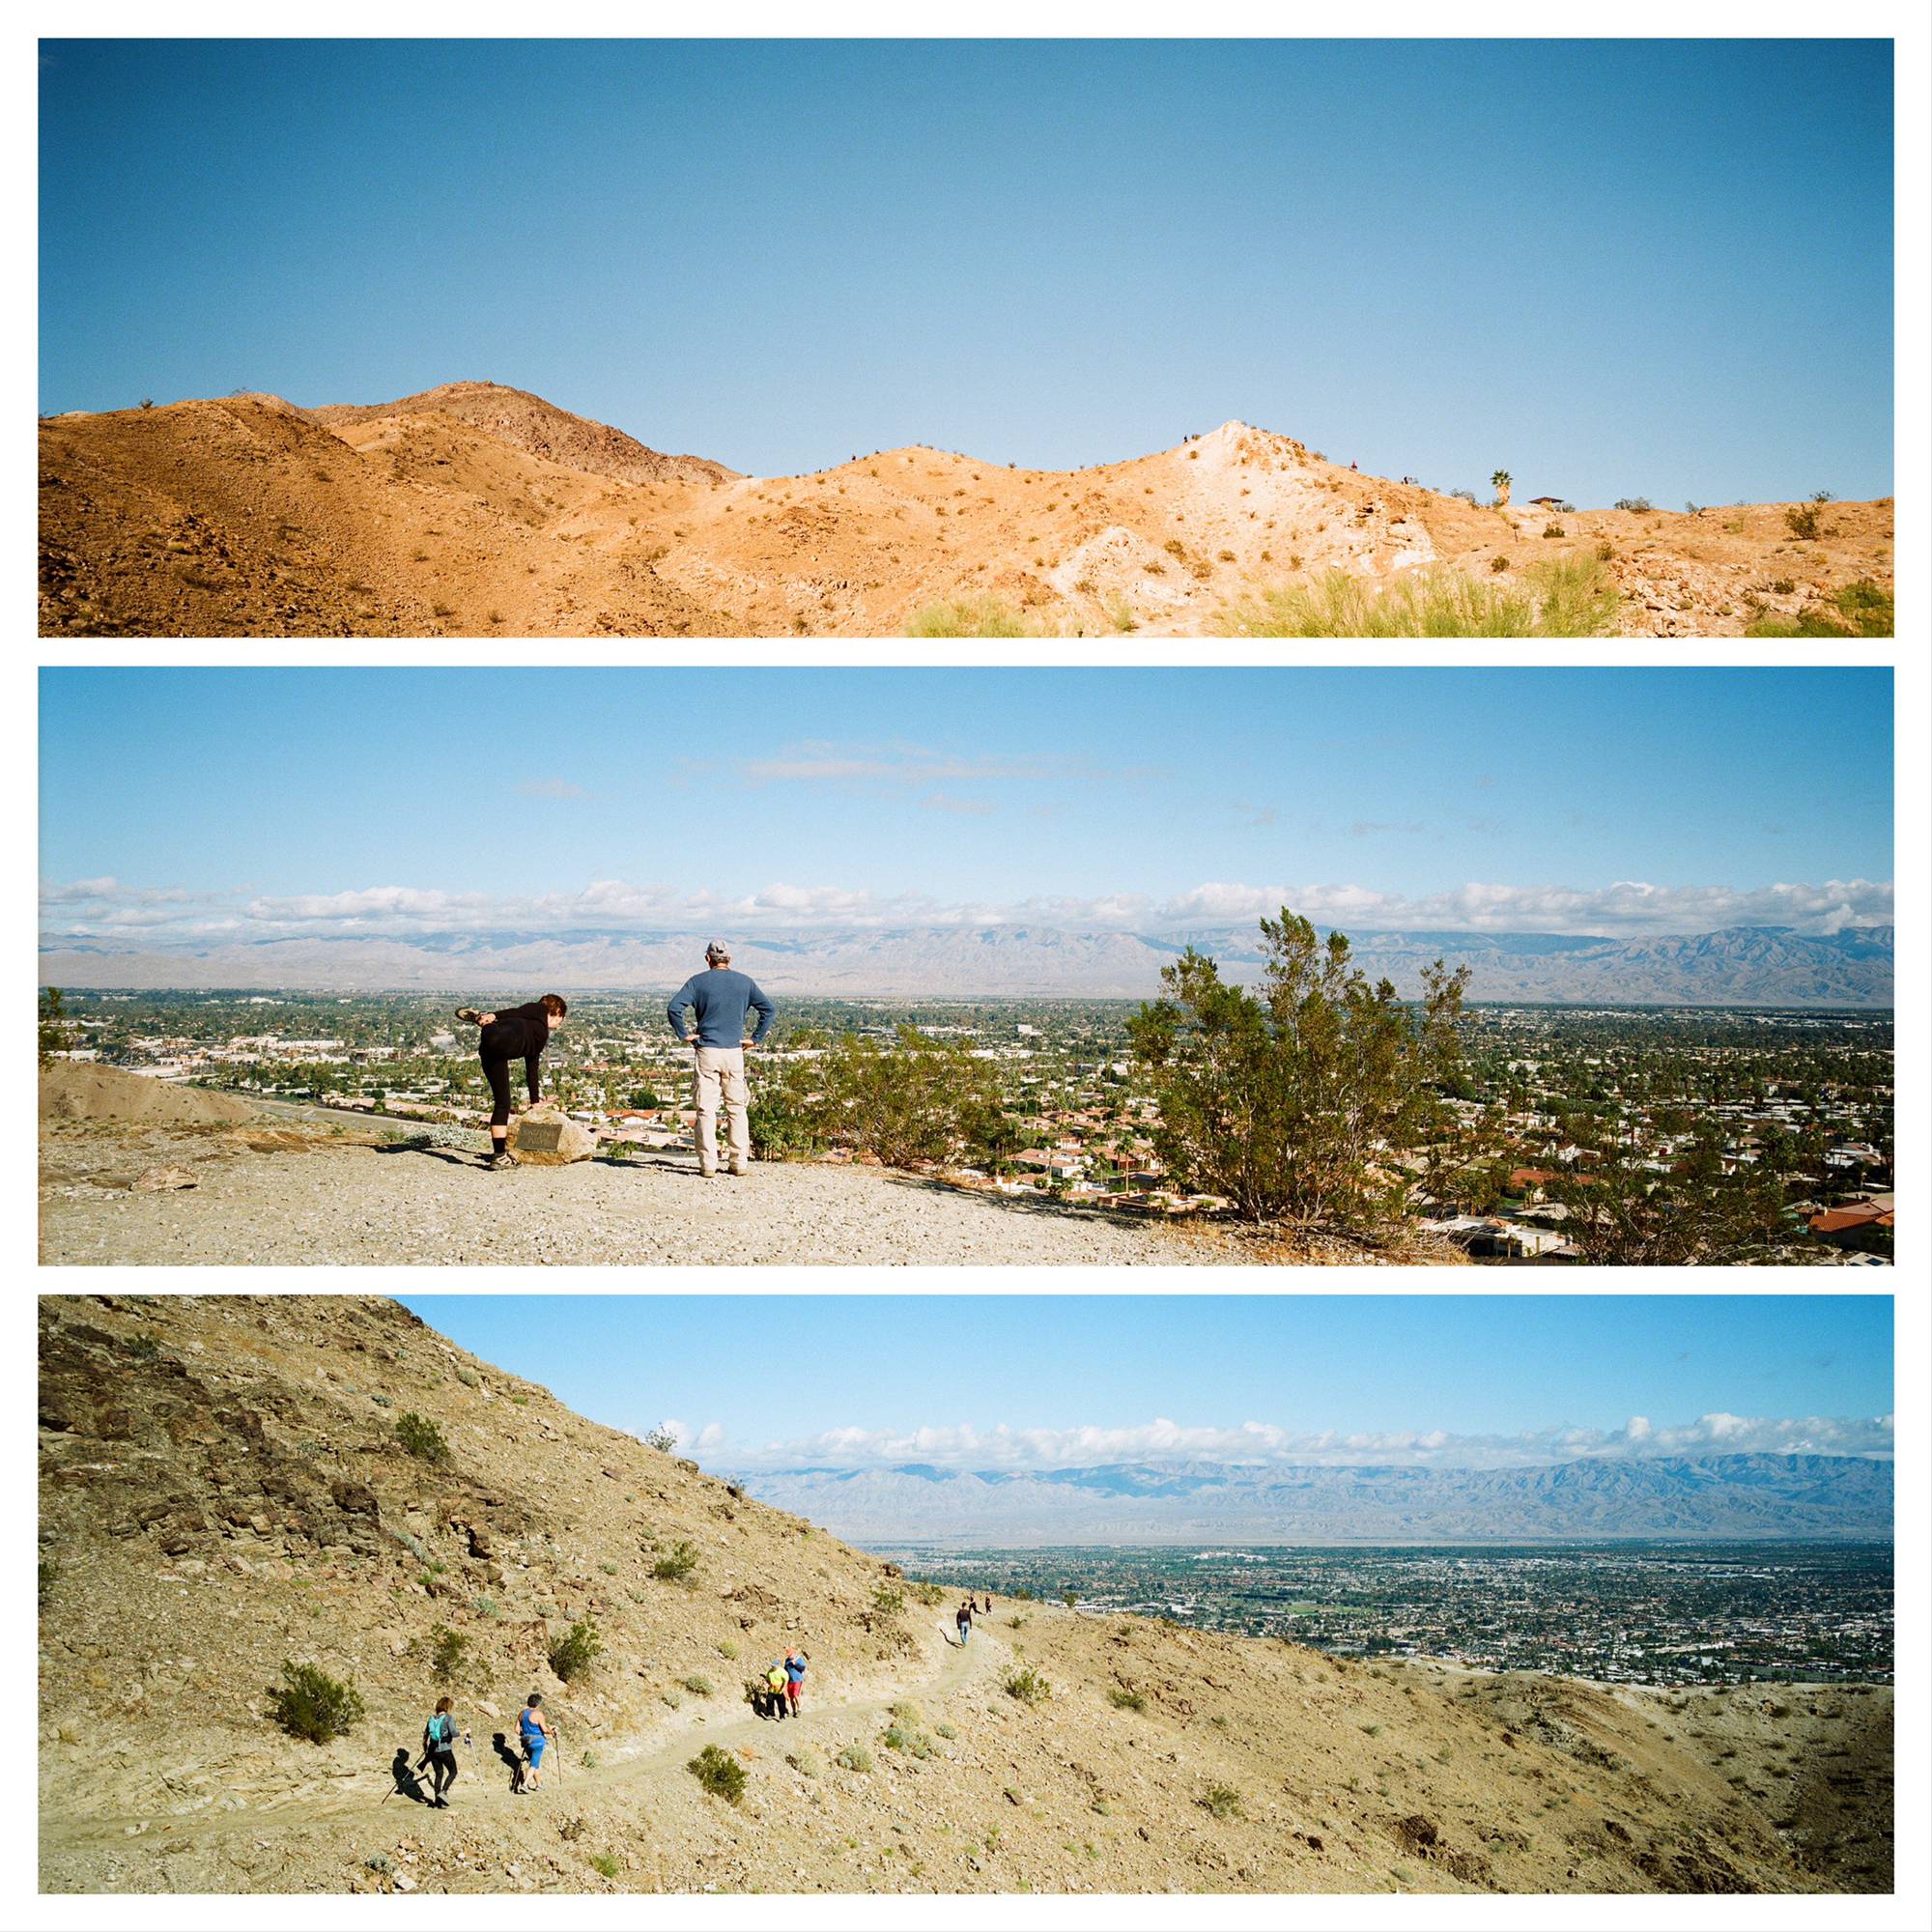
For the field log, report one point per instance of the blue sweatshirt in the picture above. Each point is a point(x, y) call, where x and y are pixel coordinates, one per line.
point(721, 998)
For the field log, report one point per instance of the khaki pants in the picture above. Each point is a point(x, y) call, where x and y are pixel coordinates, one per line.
point(720, 1070)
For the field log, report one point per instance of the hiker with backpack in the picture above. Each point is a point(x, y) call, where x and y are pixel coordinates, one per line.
point(534, 1729)
point(776, 1681)
point(517, 1033)
point(963, 1617)
point(794, 1669)
point(439, 1753)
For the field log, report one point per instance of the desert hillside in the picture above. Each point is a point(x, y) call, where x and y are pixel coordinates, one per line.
point(478, 510)
point(225, 1489)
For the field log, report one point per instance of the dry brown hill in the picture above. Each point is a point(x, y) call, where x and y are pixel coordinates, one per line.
point(525, 422)
point(224, 1490)
point(472, 510)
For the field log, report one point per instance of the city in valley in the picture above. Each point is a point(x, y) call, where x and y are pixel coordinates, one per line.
point(1695, 1100)
point(1652, 1613)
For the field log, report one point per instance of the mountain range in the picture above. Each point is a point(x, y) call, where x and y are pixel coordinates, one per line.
point(1753, 1497)
point(1762, 966)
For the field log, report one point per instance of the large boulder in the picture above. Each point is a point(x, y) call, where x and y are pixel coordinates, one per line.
point(545, 1136)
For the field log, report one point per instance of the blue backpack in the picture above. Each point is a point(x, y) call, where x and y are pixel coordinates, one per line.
point(439, 1731)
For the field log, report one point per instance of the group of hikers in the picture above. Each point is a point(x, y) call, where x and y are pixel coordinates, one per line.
point(718, 1002)
point(534, 1733)
point(780, 1688)
point(962, 1617)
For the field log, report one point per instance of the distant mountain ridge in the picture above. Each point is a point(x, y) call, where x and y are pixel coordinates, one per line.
point(1756, 1496)
point(1767, 966)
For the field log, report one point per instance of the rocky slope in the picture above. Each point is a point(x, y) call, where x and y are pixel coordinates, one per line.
point(477, 510)
point(223, 1491)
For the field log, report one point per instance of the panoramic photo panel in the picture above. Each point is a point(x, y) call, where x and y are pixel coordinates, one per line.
point(1100, 338)
point(561, 1594)
point(965, 967)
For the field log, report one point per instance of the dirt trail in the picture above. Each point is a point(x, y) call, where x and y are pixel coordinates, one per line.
point(484, 1788)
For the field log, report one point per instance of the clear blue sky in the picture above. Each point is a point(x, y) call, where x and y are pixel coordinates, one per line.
point(1469, 1365)
point(1611, 267)
point(1004, 789)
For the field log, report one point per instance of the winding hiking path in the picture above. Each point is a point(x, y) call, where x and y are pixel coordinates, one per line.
point(825, 1721)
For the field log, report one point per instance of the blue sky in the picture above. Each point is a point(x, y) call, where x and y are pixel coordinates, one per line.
point(983, 1380)
point(1615, 268)
point(419, 799)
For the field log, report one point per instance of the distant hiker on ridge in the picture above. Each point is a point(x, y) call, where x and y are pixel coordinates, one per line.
point(794, 1669)
point(518, 1033)
point(719, 1000)
point(963, 1617)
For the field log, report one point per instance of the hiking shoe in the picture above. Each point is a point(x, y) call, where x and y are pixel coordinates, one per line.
point(498, 1163)
point(737, 1173)
point(469, 1013)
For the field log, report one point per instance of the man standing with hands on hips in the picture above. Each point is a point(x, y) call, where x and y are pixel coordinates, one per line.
point(718, 1000)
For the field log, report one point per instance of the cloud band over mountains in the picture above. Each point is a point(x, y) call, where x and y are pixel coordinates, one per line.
point(97, 910)
point(963, 1446)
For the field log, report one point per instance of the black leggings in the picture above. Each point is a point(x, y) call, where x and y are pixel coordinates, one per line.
point(498, 1073)
point(441, 1771)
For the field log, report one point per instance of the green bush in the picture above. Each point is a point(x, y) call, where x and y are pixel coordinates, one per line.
point(803, 1762)
point(574, 1653)
point(1801, 521)
point(449, 1650)
point(1293, 1099)
point(423, 1439)
point(888, 1600)
point(1027, 1684)
point(1224, 1801)
point(1860, 610)
point(728, 1650)
point(1641, 505)
point(677, 1564)
point(855, 1758)
point(916, 1100)
point(1125, 1700)
point(604, 1864)
point(309, 1703)
point(982, 616)
point(719, 1773)
point(698, 1685)
point(781, 1121)
point(928, 1594)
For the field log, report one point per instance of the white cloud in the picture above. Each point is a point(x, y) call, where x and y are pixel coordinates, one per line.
point(93, 907)
point(1003, 1447)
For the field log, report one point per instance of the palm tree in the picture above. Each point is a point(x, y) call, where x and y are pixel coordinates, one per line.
point(1502, 479)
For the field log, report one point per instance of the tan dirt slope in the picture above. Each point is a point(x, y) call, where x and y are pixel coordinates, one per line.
point(474, 510)
point(222, 1489)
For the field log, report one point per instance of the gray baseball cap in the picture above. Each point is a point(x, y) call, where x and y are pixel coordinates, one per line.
point(717, 949)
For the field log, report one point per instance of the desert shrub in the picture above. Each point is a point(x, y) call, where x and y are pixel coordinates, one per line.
point(604, 1864)
point(309, 1703)
point(719, 1773)
point(980, 617)
point(1465, 496)
point(1801, 521)
point(1027, 1684)
point(855, 1758)
point(1125, 1700)
point(1782, 586)
point(486, 1607)
point(1554, 530)
point(574, 1653)
point(449, 1650)
point(781, 1121)
point(1224, 1801)
point(698, 1685)
point(946, 1730)
point(803, 1762)
point(929, 1594)
point(916, 1100)
point(1564, 597)
point(468, 1376)
point(421, 1437)
point(728, 1650)
point(676, 1564)
point(1860, 610)
point(1642, 505)
point(1290, 1098)
point(1498, 564)
point(1121, 614)
point(888, 1600)
point(660, 1439)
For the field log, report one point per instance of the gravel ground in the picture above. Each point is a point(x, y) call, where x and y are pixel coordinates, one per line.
point(279, 1196)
